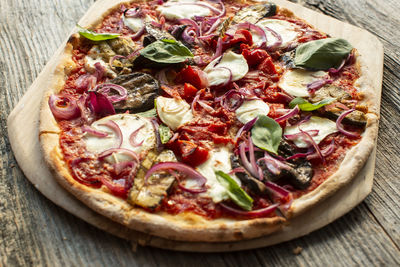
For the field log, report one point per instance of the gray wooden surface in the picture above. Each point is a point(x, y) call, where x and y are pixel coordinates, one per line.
point(33, 231)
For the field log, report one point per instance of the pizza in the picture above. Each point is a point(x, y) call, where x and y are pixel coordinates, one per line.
point(202, 120)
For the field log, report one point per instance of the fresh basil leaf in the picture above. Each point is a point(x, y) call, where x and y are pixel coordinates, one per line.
point(165, 133)
point(94, 36)
point(304, 105)
point(322, 54)
point(237, 194)
point(148, 113)
point(166, 51)
point(266, 134)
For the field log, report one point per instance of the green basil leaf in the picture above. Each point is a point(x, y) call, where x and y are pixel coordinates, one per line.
point(94, 36)
point(266, 134)
point(148, 113)
point(322, 54)
point(166, 51)
point(237, 194)
point(304, 105)
point(165, 133)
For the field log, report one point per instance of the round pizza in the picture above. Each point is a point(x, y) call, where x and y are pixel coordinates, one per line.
point(205, 120)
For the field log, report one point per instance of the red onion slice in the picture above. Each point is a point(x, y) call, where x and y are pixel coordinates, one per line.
point(63, 107)
point(113, 59)
point(92, 131)
point(278, 39)
point(250, 214)
point(277, 190)
point(114, 126)
point(137, 35)
point(288, 115)
point(300, 135)
point(218, 50)
point(260, 31)
point(125, 151)
point(182, 168)
point(192, 23)
point(312, 87)
point(314, 144)
point(325, 152)
point(157, 133)
point(236, 96)
point(81, 178)
point(206, 107)
point(99, 72)
point(246, 164)
point(339, 125)
point(100, 104)
point(229, 80)
point(245, 128)
point(133, 135)
point(120, 166)
point(274, 165)
point(105, 89)
point(115, 188)
point(184, 188)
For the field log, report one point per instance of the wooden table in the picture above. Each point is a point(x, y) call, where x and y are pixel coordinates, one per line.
point(36, 232)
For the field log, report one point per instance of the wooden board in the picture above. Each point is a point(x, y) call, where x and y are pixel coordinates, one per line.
point(26, 149)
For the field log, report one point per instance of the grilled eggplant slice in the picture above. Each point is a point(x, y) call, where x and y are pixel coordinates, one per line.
point(356, 118)
point(299, 172)
point(254, 13)
point(142, 90)
point(255, 185)
point(149, 195)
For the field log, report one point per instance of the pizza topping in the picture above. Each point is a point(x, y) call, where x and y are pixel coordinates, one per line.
point(251, 109)
point(151, 184)
point(94, 36)
point(142, 89)
point(97, 64)
point(322, 54)
point(105, 88)
point(289, 114)
point(294, 82)
point(219, 160)
point(173, 112)
point(165, 133)
point(250, 214)
point(132, 19)
point(254, 13)
point(304, 105)
point(340, 127)
point(63, 107)
point(100, 104)
point(230, 66)
point(127, 124)
point(266, 134)
point(166, 51)
point(234, 191)
point(324, 127)
point(184, 9)
point(279, 32)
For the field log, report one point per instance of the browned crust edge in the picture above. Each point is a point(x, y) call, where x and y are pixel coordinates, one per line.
point(185, 227)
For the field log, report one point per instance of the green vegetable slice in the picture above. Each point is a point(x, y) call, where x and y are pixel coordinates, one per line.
point(304, 105)
point(322, 54)
point(165, 133)
point(166, 51)
point(266, 134)
point(148, 113)
point(94, 36)
point(237, 194)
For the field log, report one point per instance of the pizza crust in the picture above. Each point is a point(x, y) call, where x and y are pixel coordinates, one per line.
point(189, 226)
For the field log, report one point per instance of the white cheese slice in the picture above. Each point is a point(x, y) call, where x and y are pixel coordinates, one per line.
point(173, 112)
point(251, 109)
point(216, 73)
point(294, 82)
point(284, 28)
point(128, 123)
point(175, 10)
point(135, 24)
point(219, 161)
point(324, 126)
point(89, 66)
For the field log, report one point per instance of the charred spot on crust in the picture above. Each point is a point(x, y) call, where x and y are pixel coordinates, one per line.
point(142, 90)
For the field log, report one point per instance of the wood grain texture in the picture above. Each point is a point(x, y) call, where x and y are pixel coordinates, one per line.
point(33, 231)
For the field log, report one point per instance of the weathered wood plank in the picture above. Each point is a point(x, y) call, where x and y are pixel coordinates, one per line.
point(33, 231)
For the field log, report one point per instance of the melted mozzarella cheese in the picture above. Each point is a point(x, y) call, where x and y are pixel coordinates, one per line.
point(219, 161)
point(217, 74)
point(294, 82)
point(251, 109)
point(135, 24)
point(183, 9)
point(173, 112)
point(324, 126)
point(89, 66)
point(284, 28)
point(128, 123)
